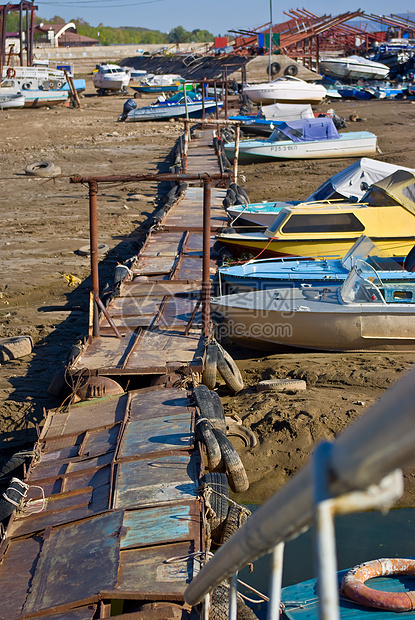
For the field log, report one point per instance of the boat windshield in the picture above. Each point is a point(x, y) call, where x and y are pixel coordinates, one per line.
point(362, 285)
point(374, 197)
point(271, 230)
point(277, 136)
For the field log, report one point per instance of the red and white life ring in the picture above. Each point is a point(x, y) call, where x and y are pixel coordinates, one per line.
point(11, 73)
point(353, 584)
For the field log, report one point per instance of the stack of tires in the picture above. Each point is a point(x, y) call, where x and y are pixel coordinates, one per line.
point(218, 360)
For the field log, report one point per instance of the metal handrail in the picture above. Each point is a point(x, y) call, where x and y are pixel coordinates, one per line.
point(379, 442)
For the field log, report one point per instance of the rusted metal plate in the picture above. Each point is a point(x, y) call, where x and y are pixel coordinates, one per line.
point(156, 578)
point(80, 613)
point(106, 352)
point(157, 526)
point(90, 478)
point(16, 573)
point(57, 509)
point(157, 481)
point(83, 558)
point(86, 415)
point(161, 349)
point(135, 306)
point(188, 213)
point(166, 287)
point(163, 434)
point(158, 402)
point(154, 265)
point(177, 311)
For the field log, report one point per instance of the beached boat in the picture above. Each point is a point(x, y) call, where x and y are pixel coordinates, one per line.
point(285, 89)
point(348, 184)
point(175, 107)
point(353, 67)
point(167, 83)
point(365, 313)
point(263, 123)
point(282, 272)
point(11, 101)
point(385, 214)
point(312, 138)
point(109, 77)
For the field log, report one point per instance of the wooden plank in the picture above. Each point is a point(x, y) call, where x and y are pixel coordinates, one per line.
point(156, 481)
point(106, 352)
point(159, 349)
point(164, 524)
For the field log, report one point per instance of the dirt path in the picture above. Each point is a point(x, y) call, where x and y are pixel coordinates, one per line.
point(44, 223)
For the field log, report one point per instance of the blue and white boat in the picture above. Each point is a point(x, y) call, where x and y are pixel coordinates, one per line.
point(175, 107)
point(302, 273)
point(311, 138)
point(270, 116)
point(348, 184)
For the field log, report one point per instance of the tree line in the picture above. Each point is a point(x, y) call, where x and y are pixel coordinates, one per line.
point(108, 35)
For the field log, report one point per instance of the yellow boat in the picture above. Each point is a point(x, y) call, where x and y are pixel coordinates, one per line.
point(386, 214)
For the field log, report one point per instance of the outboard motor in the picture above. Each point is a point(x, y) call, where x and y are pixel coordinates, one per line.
point(129, 105)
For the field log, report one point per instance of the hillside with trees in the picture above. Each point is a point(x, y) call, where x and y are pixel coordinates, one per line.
point(108, 35)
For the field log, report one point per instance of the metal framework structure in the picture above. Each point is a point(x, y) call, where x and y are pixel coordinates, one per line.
point(29, 8)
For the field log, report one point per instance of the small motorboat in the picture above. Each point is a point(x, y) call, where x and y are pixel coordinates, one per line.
point(354, 67)
point(302, 272)
point(385, 214)
point(110, 78)
point(285, 89)
point(167, 83)
point(365, 313)
point(175, 107)
point(348, 184)
point(11, 101)
point(308, 138)
point(268, 116)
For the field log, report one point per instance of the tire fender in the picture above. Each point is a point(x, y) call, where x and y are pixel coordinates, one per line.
point(229, 371)
point(210, 366)
point(238, 480)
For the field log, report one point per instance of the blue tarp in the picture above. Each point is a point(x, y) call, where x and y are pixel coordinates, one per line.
point(307, 129)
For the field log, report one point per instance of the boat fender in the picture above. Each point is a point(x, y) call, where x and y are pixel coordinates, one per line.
point(225, 161)
point(15, 461)
point(158, 216)
point(208, 406)
point(214, 455)
point(182, 188)
point(353, 584)
point(210, 366)
point(239, 190)
point(238, 480)
point(11, 72)
point(229, 370)
point(215, 490)
point(170, 194)
point(274, 68)
point(291, 70)
point(12, 497)
point(237, 516)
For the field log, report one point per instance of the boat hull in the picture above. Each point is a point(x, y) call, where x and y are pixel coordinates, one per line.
point(11, 101)
point(361, 144)
point(352, 70)
point(296, 321)
point(162, 112)
point(266, 93)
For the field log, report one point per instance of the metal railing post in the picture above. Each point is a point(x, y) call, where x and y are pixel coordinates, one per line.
point(203, 98)
point(236, 154)
point(207, 190)
point(324, 536)
point(233, 591)
point(275, 585)
point(93, 247)
point(186, 144)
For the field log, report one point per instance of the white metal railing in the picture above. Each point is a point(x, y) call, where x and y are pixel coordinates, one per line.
point(360, 470)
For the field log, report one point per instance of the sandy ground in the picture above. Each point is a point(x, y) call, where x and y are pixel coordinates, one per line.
point(45, 222)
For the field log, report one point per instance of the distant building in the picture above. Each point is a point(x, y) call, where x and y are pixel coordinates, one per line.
point(58, 35)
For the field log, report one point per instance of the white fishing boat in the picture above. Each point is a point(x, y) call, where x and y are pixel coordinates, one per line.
point(285, 89)
point(363, 314)
point(348, 184)
point(11, 101)
point(313, 138)
point(110, 78)
point(33, 96)
point(354, 67)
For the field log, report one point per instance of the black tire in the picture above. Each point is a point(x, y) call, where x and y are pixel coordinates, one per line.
point(238, 480)
point(43, 169)
point(12, 496)
point(409, 263)
point(229, 371)
point(238, 430)
point(14, 347)
point(210, 367)
point(219, 609)
point(213, 451)
point(208, 407)
point(14, 462)
point(218, 482)
point(220, 421)
point(237, 516)
point(85, 250)
point(275, 68)
point(291, 70)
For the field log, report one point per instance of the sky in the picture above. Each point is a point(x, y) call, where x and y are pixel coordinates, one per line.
point(215, 16)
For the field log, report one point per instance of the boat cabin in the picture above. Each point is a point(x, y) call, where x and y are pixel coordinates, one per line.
point(305, 130)
point(363, 285)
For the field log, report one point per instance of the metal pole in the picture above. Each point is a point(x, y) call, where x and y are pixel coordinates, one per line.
point(28, 63)
point(216, 101)
point(186, 144)
point(277, 558)
point(236, 155)
point(233, 591)
point(226, 94)
point(21, 33)
point(203, 98)
point(325, 537)
point(206, 258)
point(270, 40)
point(93, 246)
point(185, 102)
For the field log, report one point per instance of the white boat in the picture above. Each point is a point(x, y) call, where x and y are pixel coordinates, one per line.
point(354, 67)
point(363, 314)
point(110, 78)
point(313, 138)
point(11, 101)
point(33, 96)
point(285, 89)
point(174, 107)
point(350, 184)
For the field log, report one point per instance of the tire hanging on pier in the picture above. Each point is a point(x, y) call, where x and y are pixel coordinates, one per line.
point(238, 480)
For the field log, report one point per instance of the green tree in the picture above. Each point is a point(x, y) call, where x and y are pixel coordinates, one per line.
point(178, 35)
